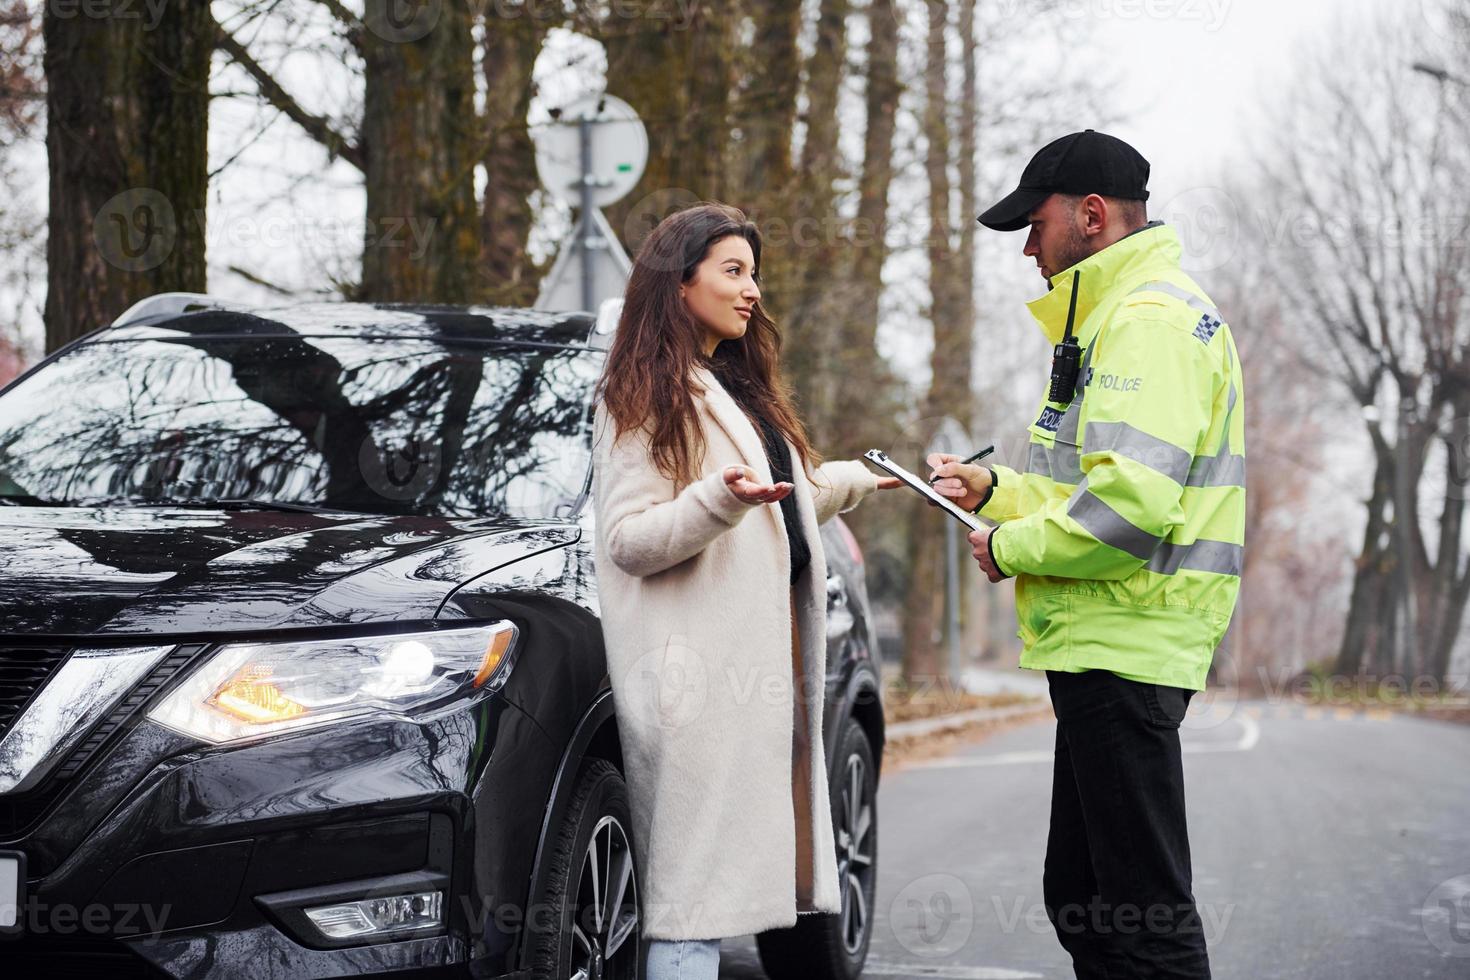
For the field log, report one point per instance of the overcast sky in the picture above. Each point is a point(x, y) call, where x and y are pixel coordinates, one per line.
point(1194, 74)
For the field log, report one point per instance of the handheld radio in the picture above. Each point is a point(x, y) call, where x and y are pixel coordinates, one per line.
point(1066, 357)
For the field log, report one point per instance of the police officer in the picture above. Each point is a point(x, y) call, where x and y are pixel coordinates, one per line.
point(1124, 531)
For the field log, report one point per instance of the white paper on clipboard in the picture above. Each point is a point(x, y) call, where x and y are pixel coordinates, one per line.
point(880, 459)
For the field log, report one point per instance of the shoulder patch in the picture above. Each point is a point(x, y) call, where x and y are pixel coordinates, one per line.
point(1205, 329)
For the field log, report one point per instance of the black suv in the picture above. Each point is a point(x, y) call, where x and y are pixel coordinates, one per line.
point(300, 667)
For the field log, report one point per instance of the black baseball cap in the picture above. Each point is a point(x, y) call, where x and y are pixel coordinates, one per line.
point(1088, 162)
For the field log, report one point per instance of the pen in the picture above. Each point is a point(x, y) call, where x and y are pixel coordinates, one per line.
point(980, 455)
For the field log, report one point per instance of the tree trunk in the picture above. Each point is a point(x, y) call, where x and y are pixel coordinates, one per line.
point(866, 398)
point(419, 133)
point(766, 114)
point(1451, 585)
point(803, 286)
point(949, 387)
point(1371, 616)
point(127, 113)
point(512, 42)
point(675, 65)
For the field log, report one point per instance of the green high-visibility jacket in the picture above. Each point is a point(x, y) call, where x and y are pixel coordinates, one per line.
point(1126, 530)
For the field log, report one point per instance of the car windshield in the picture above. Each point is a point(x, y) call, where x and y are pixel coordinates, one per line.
point(375, 425)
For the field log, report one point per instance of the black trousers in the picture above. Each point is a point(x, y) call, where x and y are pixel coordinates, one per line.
point(1117, 878)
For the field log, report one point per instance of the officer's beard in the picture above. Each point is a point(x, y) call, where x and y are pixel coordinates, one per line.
point(1073, 249)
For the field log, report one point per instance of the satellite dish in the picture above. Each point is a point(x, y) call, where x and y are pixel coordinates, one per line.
point(619, 150)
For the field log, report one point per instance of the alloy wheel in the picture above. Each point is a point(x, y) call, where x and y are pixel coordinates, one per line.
point(855, 866)
point(605, 928)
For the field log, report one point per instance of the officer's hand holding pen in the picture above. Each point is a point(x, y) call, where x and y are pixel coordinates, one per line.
point(959, 478)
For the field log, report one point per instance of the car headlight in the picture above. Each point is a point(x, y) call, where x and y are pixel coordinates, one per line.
point(246, 690)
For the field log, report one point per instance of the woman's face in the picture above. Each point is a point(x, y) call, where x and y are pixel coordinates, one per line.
point(723, 292)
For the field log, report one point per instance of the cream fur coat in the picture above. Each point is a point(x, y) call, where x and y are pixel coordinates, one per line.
point(696, 615)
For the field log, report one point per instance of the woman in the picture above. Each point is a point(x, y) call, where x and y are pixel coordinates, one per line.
point(713, 603)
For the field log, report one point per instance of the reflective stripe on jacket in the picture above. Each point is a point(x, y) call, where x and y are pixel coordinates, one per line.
point(1126, 530)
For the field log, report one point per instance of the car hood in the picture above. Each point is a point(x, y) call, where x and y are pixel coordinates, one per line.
point(153, 570)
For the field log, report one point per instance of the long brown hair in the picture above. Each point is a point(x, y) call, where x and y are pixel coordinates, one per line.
point(647, 380)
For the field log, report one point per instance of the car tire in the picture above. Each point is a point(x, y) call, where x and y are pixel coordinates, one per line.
point(834, 947)
point(590, 900)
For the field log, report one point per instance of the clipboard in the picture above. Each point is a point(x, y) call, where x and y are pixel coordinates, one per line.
point(880, 459)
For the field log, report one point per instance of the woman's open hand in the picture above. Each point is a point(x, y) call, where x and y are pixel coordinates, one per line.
point(741, 481)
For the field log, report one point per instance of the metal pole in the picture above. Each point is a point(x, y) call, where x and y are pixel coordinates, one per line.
point(584, 238)
point(1403, 511)
point(952, 596)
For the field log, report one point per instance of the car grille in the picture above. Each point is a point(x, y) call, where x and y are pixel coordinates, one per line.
point(22, 672)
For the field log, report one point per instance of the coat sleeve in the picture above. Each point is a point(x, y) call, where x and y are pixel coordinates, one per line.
point(1138, 436)
point(839, 486)
point(1004, 501)
point(647, 525)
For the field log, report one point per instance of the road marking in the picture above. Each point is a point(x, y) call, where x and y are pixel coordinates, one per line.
point(946, 972)
point(1250, 734)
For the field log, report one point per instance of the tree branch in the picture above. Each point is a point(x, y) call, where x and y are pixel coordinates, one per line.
point(317, 127)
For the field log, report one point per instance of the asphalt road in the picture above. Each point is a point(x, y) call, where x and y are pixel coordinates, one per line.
point(1327, 845)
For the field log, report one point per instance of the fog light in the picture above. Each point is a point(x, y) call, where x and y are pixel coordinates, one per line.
point(373, 916)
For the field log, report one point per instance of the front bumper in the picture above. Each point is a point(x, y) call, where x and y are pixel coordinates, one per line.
point(171, 859)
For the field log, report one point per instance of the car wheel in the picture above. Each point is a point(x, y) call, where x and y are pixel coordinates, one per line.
point(591, 893)
point(834, 947)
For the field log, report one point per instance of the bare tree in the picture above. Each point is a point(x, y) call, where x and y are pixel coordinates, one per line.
point(22, 229)
point(765, 111)
point(1369, 232)
point(676, 65)
point(417, 138)
point(420, 127)
point(513, 38)
point(127, 113)
point(952, 314)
